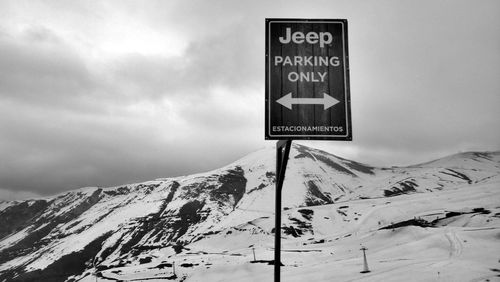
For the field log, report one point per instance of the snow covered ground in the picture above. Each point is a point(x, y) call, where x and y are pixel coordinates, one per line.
point(438, 221)
point(461, 247)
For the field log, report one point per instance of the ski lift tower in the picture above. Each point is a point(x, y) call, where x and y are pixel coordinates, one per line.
point(365, 262)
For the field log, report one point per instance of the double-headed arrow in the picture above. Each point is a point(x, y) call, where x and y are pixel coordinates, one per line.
point(327, 101)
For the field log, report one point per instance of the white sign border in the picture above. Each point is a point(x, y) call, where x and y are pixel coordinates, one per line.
point(346, 87)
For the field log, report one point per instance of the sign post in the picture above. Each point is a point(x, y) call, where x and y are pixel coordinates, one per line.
point(307, 80)
point(307, 91)
point(282, 153)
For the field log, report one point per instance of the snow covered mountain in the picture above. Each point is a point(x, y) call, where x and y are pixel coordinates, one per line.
point(437, 221)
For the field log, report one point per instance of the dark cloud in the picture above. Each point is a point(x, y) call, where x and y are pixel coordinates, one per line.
point(38, 69)
point(64, 126)
point(424, 83)
point(49, 151)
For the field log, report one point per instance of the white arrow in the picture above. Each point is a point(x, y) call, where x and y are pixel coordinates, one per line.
point(327, 101)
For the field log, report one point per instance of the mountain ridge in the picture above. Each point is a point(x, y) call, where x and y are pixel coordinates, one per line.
point(129, 224)
point(466, 153)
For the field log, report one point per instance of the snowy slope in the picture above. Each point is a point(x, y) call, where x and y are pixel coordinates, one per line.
point(439, 219)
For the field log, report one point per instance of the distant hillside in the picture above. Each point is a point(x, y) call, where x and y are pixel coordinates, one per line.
point(437, 220)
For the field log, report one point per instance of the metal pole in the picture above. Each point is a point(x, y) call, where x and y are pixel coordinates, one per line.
point(365, 262)
point(281, 162)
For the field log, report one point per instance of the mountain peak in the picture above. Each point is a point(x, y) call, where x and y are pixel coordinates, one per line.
point(120, 228)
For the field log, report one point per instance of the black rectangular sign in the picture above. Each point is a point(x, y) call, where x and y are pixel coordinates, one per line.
point(307, 80)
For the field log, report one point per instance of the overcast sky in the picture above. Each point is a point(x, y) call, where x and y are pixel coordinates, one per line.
point(101, 93)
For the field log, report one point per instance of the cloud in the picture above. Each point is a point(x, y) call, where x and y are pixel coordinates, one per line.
point(101, 93)
point(9, 195)
point(207, 63)
point(38, 68)
point(69, 122)
point(52, 150)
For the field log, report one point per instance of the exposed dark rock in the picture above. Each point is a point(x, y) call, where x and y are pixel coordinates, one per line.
point(424, 223)
point(270, 262)
point(19, 216)
point(164, 265)
point(232, 184)
point(359, 167)
point(151, 222)
point(178, 247)
point(290, 230)
point(68, 265)
point(307, 214)
point(124, 190)
point(415, 222)
point(270, 174)
point(334, 165)
point(315, 196)
point(173, 188)
point(43, 226)
point(457, 174)
point(403, 187)
point(342, 212)
point(452, 214)
point(189, 215)
point(304, 152)
point(82, 207)
point(301, 156)
point(108, 251)
point(481, 211)
point(485, 156)
point(260, 187)
point(145, 260)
